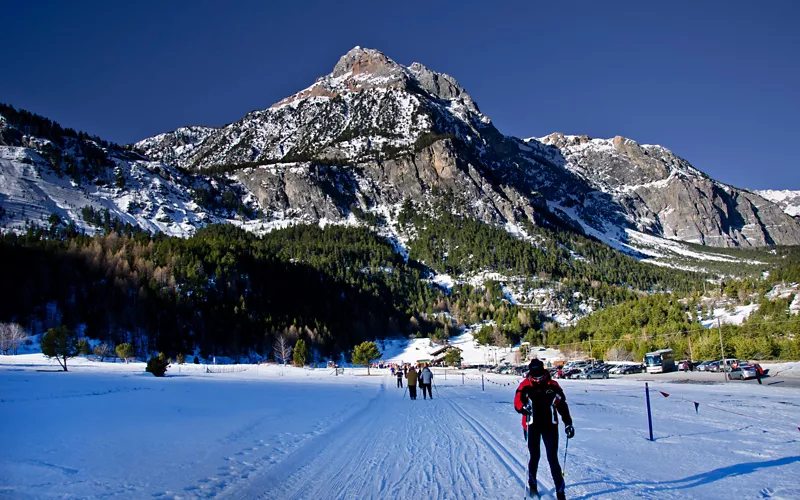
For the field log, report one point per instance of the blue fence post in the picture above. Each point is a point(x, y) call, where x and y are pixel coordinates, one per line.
point(462, 378)
point(483, 386)
point(649, 415)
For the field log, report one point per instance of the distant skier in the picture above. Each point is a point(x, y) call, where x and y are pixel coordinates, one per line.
point(412, 383)
point(425, 381)
point(399, 376)
point(538, 398)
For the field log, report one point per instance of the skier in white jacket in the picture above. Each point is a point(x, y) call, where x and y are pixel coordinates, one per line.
point(425, 381)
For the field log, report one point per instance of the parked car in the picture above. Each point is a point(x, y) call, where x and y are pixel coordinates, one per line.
point(570, 372)
point(596, 373)
point(709, 366)
point(745, 371)
point(703, 366)
point(629, 369)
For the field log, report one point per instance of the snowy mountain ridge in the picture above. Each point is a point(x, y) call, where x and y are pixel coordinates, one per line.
point(787, 199)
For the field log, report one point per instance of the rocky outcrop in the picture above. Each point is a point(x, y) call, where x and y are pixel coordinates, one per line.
point(313, 191)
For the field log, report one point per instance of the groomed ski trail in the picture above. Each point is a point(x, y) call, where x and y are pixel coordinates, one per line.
point(398, 448)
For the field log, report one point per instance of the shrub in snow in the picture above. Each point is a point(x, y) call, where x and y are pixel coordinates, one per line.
point(180, 358)
point(60, 343)
point(196, 360)
point(84, 349)
point(102, 351)
point(124, 351)
point(157, 365)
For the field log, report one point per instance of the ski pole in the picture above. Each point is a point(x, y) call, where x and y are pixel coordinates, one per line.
point(528, 422)
point(566, 449)
point(528, 468)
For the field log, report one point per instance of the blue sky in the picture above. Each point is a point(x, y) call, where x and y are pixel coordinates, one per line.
point(716, 82)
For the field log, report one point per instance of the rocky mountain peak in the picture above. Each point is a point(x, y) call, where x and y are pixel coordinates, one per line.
point(359, 61)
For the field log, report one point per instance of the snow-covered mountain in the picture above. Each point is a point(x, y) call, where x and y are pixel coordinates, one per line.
point(788, 200)
point(374, 133)
point(661, 194)
point(68, 174)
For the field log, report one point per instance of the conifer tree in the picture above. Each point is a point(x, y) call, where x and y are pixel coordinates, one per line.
point(300, 353)
point(60, 343)
point(364, 353)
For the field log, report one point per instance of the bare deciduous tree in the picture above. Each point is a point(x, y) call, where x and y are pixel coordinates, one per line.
point(102, 351)
point(12, 336)
point(282, 349)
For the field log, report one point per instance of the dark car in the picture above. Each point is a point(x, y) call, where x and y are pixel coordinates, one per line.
point(596, 373)
point(708, 366)
point(632, 369)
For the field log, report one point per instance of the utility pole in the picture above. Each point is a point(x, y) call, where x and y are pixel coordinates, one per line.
point(722, 348)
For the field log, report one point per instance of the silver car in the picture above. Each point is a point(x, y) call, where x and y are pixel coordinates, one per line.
point(744, 372)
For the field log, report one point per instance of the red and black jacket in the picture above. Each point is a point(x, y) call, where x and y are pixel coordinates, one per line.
point(547, 400)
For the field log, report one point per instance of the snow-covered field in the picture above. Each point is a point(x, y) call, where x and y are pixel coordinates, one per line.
point(110, 430)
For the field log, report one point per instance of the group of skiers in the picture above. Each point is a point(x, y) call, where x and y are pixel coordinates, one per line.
point(424, 377)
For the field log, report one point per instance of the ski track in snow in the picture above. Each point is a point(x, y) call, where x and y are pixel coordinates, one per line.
point(308, 434)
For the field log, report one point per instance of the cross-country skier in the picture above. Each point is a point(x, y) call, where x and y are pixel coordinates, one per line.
point(412, 383)
point(539, 399)
point(399, 376)
point(425, 381)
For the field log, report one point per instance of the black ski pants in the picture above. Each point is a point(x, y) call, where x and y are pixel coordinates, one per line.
point(549, 436)
point(426, 387)
point(400, 382)
point(412, 391)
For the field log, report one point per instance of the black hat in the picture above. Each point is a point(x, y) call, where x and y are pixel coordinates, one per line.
point(536, 368)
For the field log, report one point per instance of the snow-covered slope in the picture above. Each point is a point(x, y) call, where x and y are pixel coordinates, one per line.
point(788, 200)
point(40, 177)
point(472, 353)
point(30, 191)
